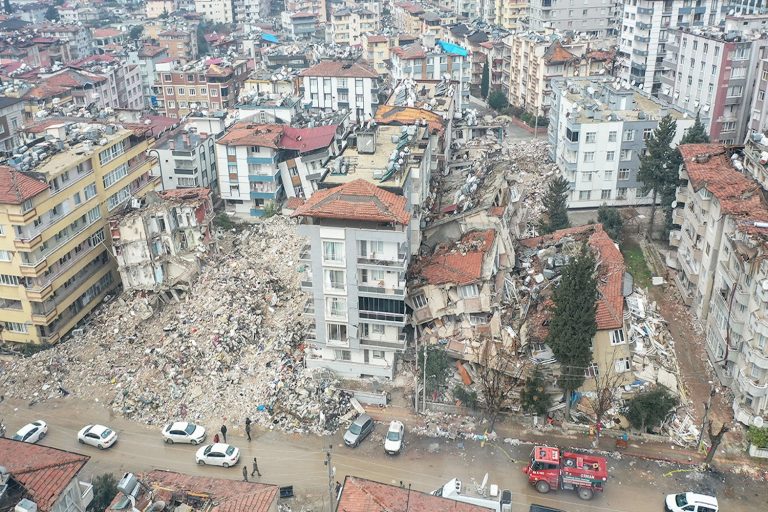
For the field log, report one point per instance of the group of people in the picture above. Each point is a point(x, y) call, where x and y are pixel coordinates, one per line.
point(223, 438)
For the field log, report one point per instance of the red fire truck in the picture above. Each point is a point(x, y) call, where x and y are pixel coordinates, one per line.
point(551, 468)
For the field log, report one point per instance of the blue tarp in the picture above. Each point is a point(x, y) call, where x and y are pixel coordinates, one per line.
point(269, 38)
point(453, 49)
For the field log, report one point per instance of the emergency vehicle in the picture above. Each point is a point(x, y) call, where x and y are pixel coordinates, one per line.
point(552, 468)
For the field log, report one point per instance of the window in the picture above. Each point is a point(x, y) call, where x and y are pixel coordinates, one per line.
point(589, 156)
point(114, 176)
point(612, 136)
point(214, 92)
point(2, 230)
point(621, 193)
point(336, 307)
point(192, 91)
point(617, 337)
point(169, 91)
point(5, 255)
point(95, 212)
point(337, 332)
point(334, 280)
point(735, 91)
point(16, 327)
point(626, 154)
point(586, 176)
point(478, 319)
point(118, 197)
point(343, 355)
point(89, 191)
point(419, 301)
point(590, 138)
point(377, 354)
point(647, 133)
point(584, 195)
point(592, 370)
point(610, 156)
point(469, 291)
point(111, 153)
point(333, 252)
point(629, 135)
point(729, 126)
point(623, 174)
point(180, 91)
point(621, 365)
point(9, 280)
point(605, 194)
point(608, 175)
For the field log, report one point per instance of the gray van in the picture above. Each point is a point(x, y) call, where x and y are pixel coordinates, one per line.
point(358, 430)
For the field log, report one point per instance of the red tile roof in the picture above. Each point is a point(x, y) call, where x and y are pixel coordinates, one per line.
point(252, 134)
point(303, 15)
point(409, 7)
point(397, 115)
point(556, 54)
point(361, 495)
point(459, 263)
point(377, 39)
point(44, 472)
point(294, 202)
point(341, 69)
point(106, 32)
point(357, 200)
point(151, 51)
point(413, 51)
point(304, 140)
point(17, 187)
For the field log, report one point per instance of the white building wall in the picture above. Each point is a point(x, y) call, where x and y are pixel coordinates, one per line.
point(323, 93)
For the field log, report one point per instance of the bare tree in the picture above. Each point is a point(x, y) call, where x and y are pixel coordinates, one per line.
point(498, 372)
point(715, 439)
point(607, 395)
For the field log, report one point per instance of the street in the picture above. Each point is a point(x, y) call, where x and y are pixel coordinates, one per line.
point(634, 485)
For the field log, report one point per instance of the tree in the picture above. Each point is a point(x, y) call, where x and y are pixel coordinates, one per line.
point(555, 206)
point(52, 14)
point(498, 373)
point(612, 222)
point(497, 100)
point(659, 166)
point(136, 32)
point(467, 397)
point(104, 490)
point(202, 44)
point(437, 368)
point(485, 83)
point(605, 395)
point(164, 14)
point(7, 7)
point(696, 134)
point(715, 439)
point(573, 322)
point(649, 408)
point(534, 397)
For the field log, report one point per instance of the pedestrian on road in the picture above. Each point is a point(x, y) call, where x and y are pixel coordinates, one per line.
point(248, 428)
point(338, 488)
point(216, 439)
point(255, 467)
point(245, 473)
point(224, 433)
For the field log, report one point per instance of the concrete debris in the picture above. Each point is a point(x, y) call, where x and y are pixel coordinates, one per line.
point(231, 348)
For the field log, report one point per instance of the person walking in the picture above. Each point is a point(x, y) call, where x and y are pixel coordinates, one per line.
point(224, 433)
point(245, 473)
point(255, 467)
point(248, 428)
point(216, 439)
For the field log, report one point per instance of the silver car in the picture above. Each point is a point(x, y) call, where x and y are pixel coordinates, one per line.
point(358, 430)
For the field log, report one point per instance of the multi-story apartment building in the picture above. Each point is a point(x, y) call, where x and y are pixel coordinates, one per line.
point(597, 131)
point(11, 121)
point(259, 165)
point(185, 159)
point(713, 71)
point(123, 79)
point(210, 84)
point(599, 18)
point(218, 11)
point(406, 17)
point(510, 13)
point(422, 62)
point(79, 37)
point(376, 51)
point(181, 44)
point(337, 85)
point(314, 6)
point(348, 25)
point(251, 10)
point(646, 30)
point(372, 5)
point(157, 8)
point(357, 259)
point(530, 61)
point(722, 270)
point(299, 25)
point(145, 58)
point(108, 39)
point(55, 265)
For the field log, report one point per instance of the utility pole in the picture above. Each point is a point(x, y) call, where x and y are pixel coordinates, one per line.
point(424, 391)
point(416, 375)
point(331, 474)
point(707, 405)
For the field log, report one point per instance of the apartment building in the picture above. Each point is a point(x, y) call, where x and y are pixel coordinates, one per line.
point(156, 8)
point(55, 266)
point(11, 121)
point(78, 36)
point(318, 7)
point(217, 11)
point(357, 257)
point(431, 62)
point(376, 51)
point(530, 61)
point(509, 14)
point(299, 25)
point(348, 25)
point(259, 165)
point(598, 18)
point(108, 39)
point(713, 71)
point(181, 44)
point(123, 79)
point(597, 131)
point(146, 58)
point(646, 29)
point(206, 84)
point(372, 5)
point(186, 159)
point(342, 85)
point(722, 270)
point(251, 10)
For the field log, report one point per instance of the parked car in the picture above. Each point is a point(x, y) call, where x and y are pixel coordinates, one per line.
point(97, 435)
point(218, 454)
point(394, 440)
point(358, 430)
point(690, 502)
point(183, 432)
point(32, 432)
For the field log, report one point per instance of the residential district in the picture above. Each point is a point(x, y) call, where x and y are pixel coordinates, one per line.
point(383, 256)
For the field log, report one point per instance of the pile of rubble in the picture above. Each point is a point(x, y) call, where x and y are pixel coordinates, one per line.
point(531, 170)
point(231, 348)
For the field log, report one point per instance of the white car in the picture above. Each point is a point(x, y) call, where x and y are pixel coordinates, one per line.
point(97, 435)
point(393, 443)
point(32, 432)
point(218, 454)
point(183, 432)
point(690, 502)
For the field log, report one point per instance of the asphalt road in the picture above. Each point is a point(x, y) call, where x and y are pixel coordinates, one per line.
point(425, 464)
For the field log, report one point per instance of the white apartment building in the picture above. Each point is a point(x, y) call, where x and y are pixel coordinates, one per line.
point(646, 30)
point(597, 131)
point(713, 71)
point(722, 270)
point(599, 18)
point(218, 11)
point(348, 25)
point(314, 6)
point(424, 61)
point(342, 85)
point(186, 158)
point(250, 10)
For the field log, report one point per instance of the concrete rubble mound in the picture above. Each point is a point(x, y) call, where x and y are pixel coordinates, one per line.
point(231, 347)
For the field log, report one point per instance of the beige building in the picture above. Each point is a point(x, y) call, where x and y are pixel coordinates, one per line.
point(376, 51)
point(55, 266)
point(313, 6)
point(156, 8)
point(218, 11)
point(509, 13)
point(721, 236)
point(407, 18)
point(348, 25)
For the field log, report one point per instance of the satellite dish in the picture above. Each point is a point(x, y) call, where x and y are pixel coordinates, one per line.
point(758, 421)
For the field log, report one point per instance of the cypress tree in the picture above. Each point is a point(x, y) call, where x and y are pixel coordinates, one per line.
point(659, 166)
point(485, 83)
point(556, 206)
point(696, 134)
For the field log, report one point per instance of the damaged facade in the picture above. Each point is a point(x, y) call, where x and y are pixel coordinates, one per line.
point(156, 244)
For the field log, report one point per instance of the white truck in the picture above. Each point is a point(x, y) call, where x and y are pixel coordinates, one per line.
point(452, 490)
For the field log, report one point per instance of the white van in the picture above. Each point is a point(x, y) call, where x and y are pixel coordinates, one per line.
point(690, 502)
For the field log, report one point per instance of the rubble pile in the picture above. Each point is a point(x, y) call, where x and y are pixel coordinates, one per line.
point(232, 347)
point(449, 426)
point(531, 170)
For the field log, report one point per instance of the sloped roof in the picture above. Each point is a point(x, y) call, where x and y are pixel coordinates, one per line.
point(459, 263)
point(16, 187)
point(357, 200)
point(45, 472)
point(307, 139)
point(252, 134)
point(74, 78)
point(342, 69)
point(411, 51)
point(376, 39)
point(151, 51)
point(361, 495)
point(106, 32)
point(556, 54)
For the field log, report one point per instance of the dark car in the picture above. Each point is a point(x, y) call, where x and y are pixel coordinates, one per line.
point(542, 508)
point(358, 430)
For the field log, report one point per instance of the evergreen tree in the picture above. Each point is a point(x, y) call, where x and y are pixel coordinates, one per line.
point(612, 222)
point(497, 100)
point(556, 206)
point(659, 166)
point(485, 83)
point(52, 14)
point(533, 396)
point(136, 31)
point(104, 490)
point(696, 134)
point(7, 7)
point(573, 323)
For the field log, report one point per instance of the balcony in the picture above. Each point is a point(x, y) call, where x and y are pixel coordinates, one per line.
point(41, 289)
point(754, 355)
point(674, 238)
point(762, 291)
point(398, 290)
point(306, 283)
point(86, 494)
point(22, 218)
point(372, 261)
point(645, 10)
point(643, 26)
point(309, 308)
point(392, 345)
point(306, 253)
point(384, 317)
point(685, 292)
point(641, 53)
point(751, 385)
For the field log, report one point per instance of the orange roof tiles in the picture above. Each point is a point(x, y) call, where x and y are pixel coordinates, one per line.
point(17, 187)
point(342, 69)
point(251, 134)
point(556, 54)
point(361, 495)
point(393, 114)
point(460, 263)
point(106, 32)
point(413, 51)
point(377, 39)
point(357, 200)
point(44, 472)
